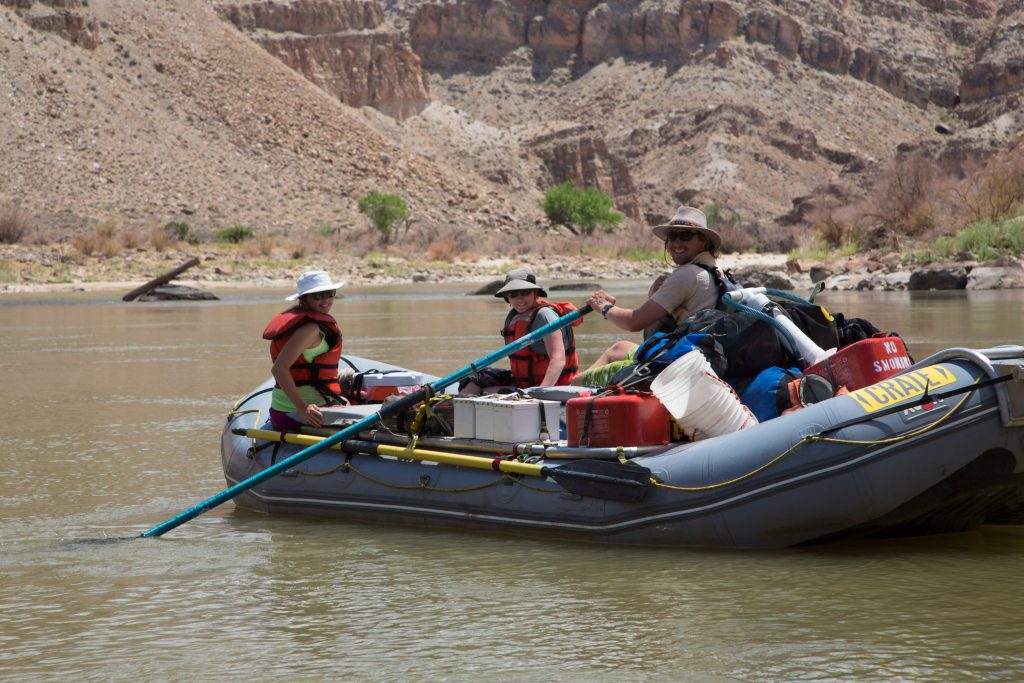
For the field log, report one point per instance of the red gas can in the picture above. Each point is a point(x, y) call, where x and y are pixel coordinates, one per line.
point(863, 363)
point(634, 418)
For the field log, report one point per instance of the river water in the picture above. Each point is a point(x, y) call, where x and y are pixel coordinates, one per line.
point(113, 415)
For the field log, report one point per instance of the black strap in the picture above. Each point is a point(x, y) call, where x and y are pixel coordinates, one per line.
point(585, 433)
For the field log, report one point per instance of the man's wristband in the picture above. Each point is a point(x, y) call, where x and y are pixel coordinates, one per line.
point(605, 309)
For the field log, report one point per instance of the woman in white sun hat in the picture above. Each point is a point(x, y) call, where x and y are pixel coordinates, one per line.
point(305, 345)
point(691, 287)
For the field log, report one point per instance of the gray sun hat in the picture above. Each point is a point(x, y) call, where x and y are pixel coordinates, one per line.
point(313, 281)
point(687, 217)
point(518, 280)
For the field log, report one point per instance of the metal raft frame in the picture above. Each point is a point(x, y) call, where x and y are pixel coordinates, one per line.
point(1010, 395)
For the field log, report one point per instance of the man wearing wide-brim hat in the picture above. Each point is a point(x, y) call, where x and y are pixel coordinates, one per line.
point(687, 217)
point(672, 298)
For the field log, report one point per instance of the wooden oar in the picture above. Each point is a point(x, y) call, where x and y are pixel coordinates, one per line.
point(395, 408)
point(593, 478)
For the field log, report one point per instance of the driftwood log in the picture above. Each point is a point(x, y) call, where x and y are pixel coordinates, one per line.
point(177, 293)
point(163, 279)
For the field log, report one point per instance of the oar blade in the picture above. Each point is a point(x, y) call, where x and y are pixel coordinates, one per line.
point(625, 482)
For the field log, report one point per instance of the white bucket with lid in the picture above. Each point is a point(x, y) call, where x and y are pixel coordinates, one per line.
point(702, 404)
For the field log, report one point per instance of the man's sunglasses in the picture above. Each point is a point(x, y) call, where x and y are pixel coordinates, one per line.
point(681, 235)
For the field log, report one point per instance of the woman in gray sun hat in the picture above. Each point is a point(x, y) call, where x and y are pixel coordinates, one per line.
point(672, 298)
point(549, 362)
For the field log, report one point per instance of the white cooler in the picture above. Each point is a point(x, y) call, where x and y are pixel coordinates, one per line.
point(506, 419)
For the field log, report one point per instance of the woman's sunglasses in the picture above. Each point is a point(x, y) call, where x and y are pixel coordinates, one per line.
point(320, 296)
point(681, 235)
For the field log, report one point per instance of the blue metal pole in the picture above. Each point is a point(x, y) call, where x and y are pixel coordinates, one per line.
point(368, 421)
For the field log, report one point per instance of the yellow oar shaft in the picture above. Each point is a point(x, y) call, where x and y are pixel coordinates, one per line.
point(480, 463)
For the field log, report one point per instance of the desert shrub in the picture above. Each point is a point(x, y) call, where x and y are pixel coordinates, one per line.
point(988, 239)
point(360, 240)
point(1014, 229)
point(997, 190)
point(774, 238)
point(14, 224)
point(633, 242)
point(261, 247)
point(446, 249)
point(178, 231)
point(832, 231)
point(737, 236)
point(741, 235)
point(903, 200)
point(235, 234)
point(437, 242)
point(638, 254)
point(983, 239)
point(110, 247)
point(84, 243)
point(812, 251)
point(266, 245)
point(712, 211)
point(588, 209)
point(159, 239)
point(106, 230)
point(103, 240)
point(384, 211)
point(131, 238)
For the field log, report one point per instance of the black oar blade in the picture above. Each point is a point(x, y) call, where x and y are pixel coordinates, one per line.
point(602, 479)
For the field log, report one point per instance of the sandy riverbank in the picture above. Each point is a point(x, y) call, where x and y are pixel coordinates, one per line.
point(25, 269)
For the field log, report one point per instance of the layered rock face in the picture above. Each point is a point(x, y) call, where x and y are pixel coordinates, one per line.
point(821, 35)
point(344, 47)
point(861, 61)
point(63, 17)
point(582, 157)
point(998, 68)
point(825, 35)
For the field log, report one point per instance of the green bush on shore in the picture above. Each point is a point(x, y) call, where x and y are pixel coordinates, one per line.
point(574, 208)
point(235, 234)
point(984, 240)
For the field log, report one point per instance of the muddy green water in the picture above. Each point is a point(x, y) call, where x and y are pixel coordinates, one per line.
point(112, 419)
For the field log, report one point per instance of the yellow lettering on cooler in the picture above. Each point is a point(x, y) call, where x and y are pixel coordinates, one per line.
point(891, 391)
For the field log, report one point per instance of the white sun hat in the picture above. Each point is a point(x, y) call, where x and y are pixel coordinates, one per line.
point(313, 281)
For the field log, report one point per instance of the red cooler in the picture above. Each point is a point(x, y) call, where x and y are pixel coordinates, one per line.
point(863, 363)
point(375, 386)
point(634, 418)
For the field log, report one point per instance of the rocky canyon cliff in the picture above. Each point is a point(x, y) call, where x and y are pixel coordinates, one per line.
point(279, 114)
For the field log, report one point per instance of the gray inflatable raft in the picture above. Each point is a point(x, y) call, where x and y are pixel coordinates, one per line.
point(936, 449)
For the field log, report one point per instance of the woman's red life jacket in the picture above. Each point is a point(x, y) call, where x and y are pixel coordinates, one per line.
point(529, 366)
point(322, 371)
